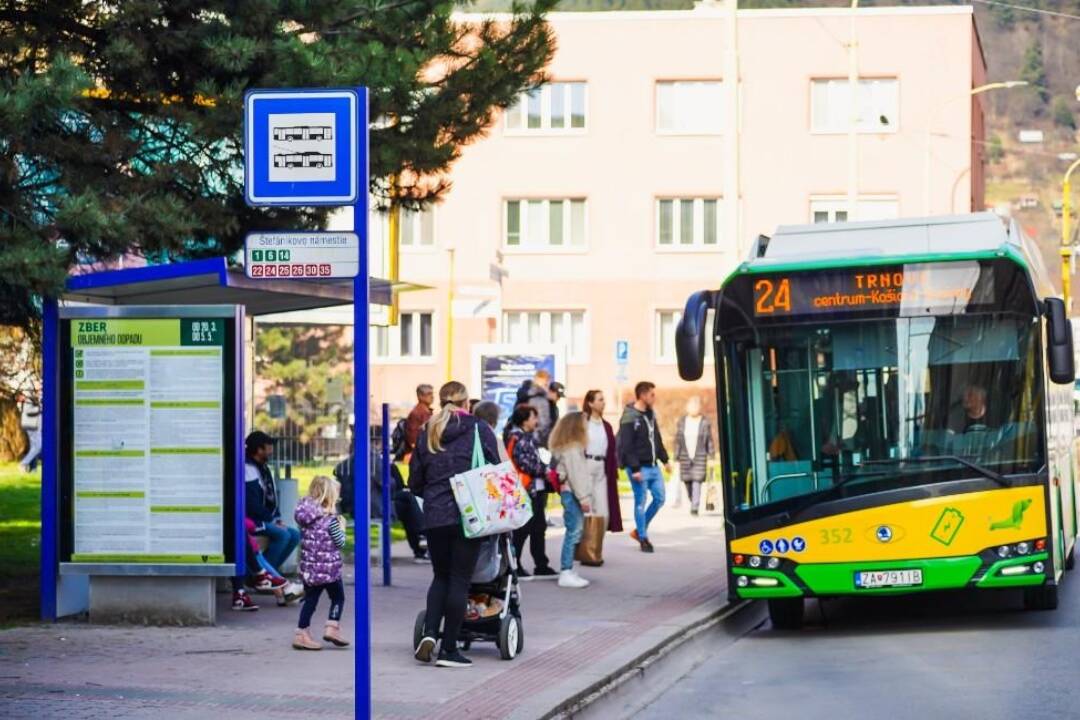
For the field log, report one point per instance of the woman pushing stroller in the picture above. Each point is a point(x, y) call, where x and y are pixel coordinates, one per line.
point(445, 449)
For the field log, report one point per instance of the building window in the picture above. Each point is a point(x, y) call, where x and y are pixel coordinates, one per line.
point(548, 327)
point(664, 325)
point(418, 228)
point(688, 222)
point(834, 208)
point(555, 107)
point(411, 339)
point(545, 224)
point(879, 105)
point(689, 107)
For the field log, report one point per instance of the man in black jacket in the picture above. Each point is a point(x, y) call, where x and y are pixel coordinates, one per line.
point(641, 452)
point(261, 499)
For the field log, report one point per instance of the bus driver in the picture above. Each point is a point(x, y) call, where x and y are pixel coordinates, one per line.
point(974, 404)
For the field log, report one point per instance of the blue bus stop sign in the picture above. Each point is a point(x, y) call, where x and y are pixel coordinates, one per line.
point(302, 147)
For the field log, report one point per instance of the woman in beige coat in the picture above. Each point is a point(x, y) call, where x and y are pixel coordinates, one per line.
point(567, 442)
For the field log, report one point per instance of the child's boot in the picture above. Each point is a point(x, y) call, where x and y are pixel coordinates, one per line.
point(332, 633)
point(303, 641)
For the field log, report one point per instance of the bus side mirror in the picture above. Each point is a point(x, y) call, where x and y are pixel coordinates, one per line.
point(690, 336)
point(1059, 343)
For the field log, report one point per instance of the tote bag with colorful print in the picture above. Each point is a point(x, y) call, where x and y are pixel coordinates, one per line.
point(491, 498)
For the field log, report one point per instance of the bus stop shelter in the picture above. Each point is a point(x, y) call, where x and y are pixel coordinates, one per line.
point(177, 590)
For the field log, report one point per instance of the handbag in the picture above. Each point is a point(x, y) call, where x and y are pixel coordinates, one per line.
point(590, 551)
point(491, 498)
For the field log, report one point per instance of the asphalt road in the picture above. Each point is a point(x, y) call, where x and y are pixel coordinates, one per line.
point(953, 656)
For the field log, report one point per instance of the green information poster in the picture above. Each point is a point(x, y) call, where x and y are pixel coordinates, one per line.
point(148, 440)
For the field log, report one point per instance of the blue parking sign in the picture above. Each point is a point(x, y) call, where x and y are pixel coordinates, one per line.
point(302, 147)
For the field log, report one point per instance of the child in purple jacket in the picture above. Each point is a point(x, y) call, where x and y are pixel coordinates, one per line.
point(322, 534)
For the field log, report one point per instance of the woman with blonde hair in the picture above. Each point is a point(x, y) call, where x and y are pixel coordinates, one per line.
point(443, 450)
point(567, 443)
point(322, 537)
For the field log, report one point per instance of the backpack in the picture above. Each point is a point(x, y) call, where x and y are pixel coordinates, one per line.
point(397, 439)
point(552, 479)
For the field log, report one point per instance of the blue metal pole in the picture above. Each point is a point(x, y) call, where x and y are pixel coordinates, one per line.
point(50, 456)
point(385, 494)
point(361, 474)
point(239, 395)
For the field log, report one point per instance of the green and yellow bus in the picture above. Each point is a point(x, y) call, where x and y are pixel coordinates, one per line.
point(895, 412)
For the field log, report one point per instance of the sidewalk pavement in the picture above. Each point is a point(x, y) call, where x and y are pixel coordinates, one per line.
point(245, 666)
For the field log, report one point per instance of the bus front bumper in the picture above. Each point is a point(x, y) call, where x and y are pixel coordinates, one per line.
point(828, 579)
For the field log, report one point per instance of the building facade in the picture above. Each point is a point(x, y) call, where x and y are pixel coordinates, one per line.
point(663, 143)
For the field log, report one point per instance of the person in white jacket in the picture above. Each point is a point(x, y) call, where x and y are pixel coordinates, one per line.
point(567, 443)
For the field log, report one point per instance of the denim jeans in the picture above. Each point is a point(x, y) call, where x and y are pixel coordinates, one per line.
point(574, 520)
point(652, 481)
point(283, 540)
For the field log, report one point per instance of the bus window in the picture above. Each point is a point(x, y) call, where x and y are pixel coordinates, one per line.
point(848, 401)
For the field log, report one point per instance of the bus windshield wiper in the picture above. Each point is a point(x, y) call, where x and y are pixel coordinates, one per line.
point(984, 471)
point(825, 493)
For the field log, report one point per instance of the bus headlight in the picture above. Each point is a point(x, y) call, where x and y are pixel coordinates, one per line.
point(1023, 548)
point(1003, 551)
point(774, 562)
point(755, 561)
point(743, 581)
point(1038, 567)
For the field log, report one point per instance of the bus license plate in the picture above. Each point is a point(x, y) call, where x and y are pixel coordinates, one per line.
point(888, 578)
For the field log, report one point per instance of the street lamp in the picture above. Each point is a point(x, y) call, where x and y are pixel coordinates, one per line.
point(450, 248)
point(853, 117)
point(1066, 232)
point(930, 123)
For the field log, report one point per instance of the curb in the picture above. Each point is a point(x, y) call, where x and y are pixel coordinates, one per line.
point(640, 680)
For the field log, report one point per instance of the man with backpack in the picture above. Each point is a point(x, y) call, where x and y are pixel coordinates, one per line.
point(542, 395)
point(641, 452)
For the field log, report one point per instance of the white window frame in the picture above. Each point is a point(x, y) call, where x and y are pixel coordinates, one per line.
point(676, 313)
point(416, 246)
point(833, 203)
point(581, 357)
point(567, 248)
point(394, 341)
point(864, 128)
point(687, 131)
point(698, 245)
point(521, 107)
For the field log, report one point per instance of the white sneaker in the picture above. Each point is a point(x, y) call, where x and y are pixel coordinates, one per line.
point(290, 594)
point(570, 579)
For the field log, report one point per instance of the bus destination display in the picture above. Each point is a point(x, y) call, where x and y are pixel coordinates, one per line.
point(911, 289)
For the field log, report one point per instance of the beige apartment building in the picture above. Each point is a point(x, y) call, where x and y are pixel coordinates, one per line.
point(664, 143)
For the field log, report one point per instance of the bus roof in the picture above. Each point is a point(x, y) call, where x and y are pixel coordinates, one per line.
point(889, 242)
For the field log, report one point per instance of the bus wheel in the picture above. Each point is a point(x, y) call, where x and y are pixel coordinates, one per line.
point(1044, 597)
point(786, 613)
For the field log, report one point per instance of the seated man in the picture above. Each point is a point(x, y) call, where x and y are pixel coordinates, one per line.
point(974, 404)
point(405, 507)
point(261, 499)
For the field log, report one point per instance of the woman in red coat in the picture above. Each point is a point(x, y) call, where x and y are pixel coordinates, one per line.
point(600, 454)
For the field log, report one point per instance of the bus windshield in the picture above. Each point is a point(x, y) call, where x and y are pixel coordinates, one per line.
point(879, 404)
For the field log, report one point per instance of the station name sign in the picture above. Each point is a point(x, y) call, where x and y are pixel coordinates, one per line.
point(936, 287)
point(302, 255)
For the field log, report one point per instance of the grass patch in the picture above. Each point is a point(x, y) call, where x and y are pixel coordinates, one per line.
point(20, 533)
point(304, 474)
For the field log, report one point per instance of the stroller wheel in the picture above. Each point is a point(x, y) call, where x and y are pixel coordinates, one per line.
point(511, 638)
point(418, 629)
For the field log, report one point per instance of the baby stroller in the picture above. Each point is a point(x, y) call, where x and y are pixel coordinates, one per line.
point(494, 610)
